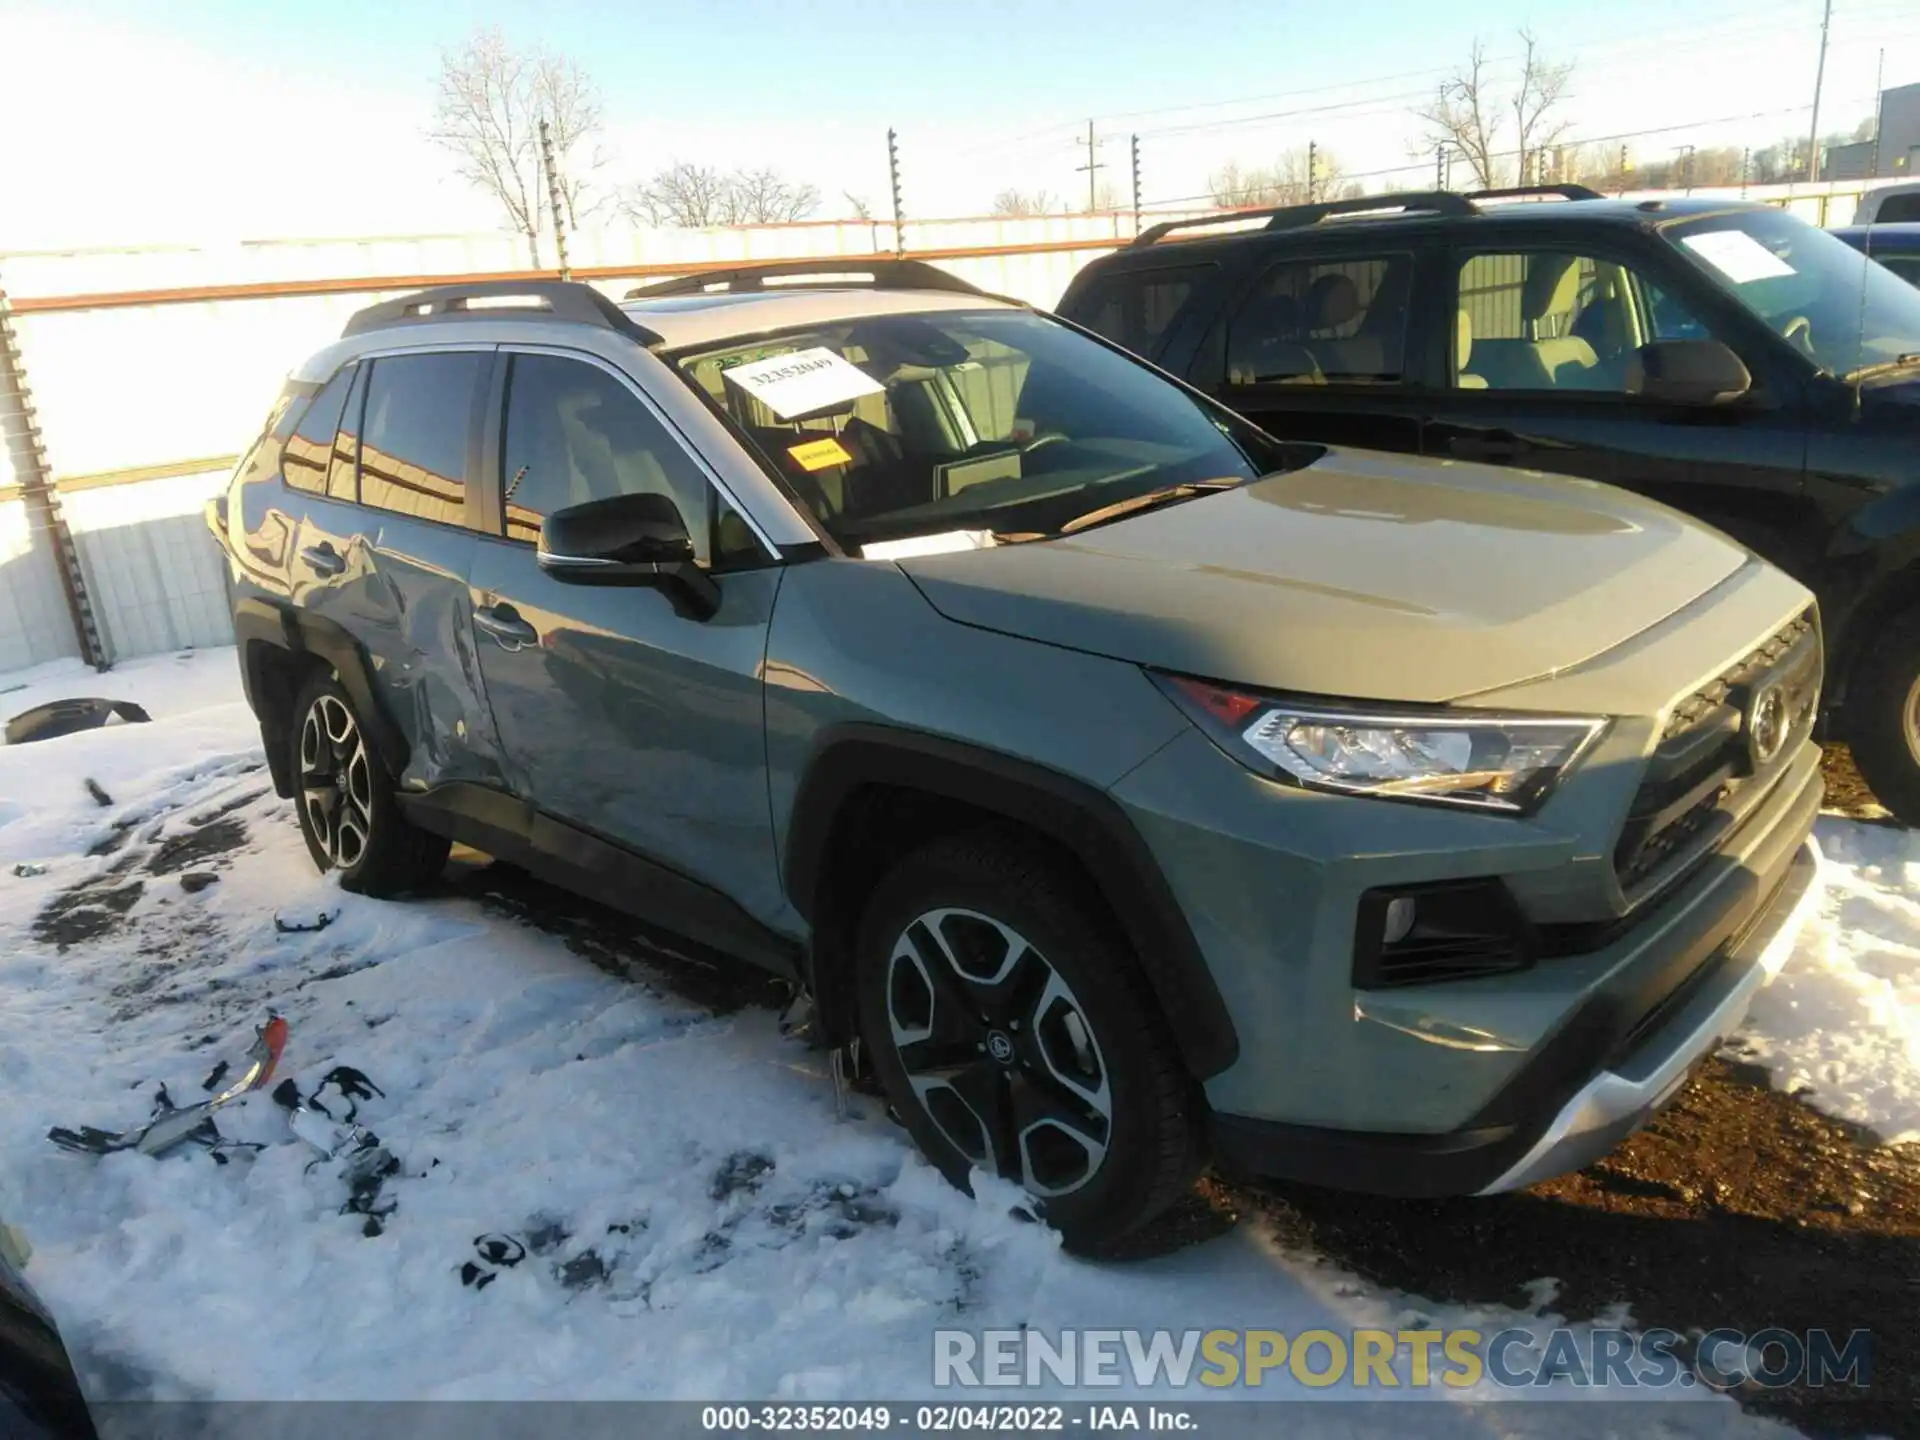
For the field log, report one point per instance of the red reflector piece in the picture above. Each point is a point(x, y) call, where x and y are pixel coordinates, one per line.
point(1224, 705)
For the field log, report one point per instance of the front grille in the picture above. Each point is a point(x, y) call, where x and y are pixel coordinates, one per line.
point(1692, 792)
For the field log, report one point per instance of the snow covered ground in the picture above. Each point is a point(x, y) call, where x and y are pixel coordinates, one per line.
point(700, 1223)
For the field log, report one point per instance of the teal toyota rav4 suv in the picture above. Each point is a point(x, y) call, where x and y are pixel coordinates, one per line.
point(1127, 787)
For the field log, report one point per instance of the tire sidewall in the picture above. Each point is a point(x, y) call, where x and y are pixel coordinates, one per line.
point(1084, 955)
point(1881, 728)
point(385, 814)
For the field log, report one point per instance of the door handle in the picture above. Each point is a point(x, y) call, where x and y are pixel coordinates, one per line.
point(504, 624)
point(324, 558)
point(1488, 445)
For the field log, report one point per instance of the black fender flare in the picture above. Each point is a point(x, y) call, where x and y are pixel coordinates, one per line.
point(285, 628)
point(1074, 814)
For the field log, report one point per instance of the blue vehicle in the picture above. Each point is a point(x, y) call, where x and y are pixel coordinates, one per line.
point(1895, 246)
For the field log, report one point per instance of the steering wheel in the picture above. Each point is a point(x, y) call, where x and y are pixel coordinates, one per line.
point(1799, 331)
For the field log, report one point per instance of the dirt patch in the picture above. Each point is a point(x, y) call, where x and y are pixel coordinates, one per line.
point(86, 911)
point(197, 846)
point(1847, 793)
point(1739, 1206)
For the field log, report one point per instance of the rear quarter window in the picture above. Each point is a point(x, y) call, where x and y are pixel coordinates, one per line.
point(1136, 308)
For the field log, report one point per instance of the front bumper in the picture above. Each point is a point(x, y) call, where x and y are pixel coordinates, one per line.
point(1620, 1099)
point(1517, 1140)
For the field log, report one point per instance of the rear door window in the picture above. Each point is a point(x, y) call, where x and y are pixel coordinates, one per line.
point(414, 439)
point(1320, 322)
point(308, 451)
point(1136, 308)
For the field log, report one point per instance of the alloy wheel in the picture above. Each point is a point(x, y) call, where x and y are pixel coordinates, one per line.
point(999, 1051)
point(336, 781)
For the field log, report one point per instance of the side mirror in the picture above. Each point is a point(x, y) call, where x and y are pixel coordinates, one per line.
point(1688, 372)
point(628, 540)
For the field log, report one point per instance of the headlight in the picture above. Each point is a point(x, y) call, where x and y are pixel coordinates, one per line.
point(1477, 759)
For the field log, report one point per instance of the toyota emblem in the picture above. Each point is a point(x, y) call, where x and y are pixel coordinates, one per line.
point(1767, 725)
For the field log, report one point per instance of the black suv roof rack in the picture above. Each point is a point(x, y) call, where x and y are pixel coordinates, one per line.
point(567, 300)
point(879, 271)
point(1520, 192)
point(1410, 202)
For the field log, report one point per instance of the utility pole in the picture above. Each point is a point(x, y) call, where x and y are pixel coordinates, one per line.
point(1819, 77)
point(1091, 166)
point(1746, 159)
point(1623, 167)
point(1313, 172)
point(893, 178)
point(1879, 110)
point(1686, 169)
point(1133, 145)
point(553, 197)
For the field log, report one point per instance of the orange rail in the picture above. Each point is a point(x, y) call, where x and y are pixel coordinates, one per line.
point(286, 289)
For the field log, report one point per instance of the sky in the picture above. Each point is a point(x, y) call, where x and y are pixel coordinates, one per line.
point(221, 120)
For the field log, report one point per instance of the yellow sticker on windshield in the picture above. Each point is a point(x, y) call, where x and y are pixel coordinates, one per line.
point(819, 454)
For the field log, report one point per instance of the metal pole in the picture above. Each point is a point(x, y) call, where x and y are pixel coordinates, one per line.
point(1091, 166)
point(1134, 147)
point(1439, 167)
point(1879, 112)
point(893, 178)
point(1746, 157)
point(553, 197)
point(1313, 171)
point(1819, 78)
point(20, 437)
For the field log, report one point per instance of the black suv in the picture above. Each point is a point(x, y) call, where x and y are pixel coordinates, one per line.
point(1726, 358)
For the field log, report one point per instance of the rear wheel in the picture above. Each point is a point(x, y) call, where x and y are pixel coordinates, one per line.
point(1883, 719)
point(1012, 1030)
point(345, 798)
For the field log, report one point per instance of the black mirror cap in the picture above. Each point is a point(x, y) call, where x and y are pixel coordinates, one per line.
point(1688, 372)
point(641, 529)
point(629, 540)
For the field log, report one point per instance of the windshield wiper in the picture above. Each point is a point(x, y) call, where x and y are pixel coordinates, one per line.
point(1152, 500)
point(1884, 367)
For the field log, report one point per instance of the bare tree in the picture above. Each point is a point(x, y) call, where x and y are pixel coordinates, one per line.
point(695, 197)
point(685, 195)
point(1542, 84)
point(764, 197)
point(1018, 203)
point(487, 110)
point(1283, 183)
point(858, 204)
point(1468, 117)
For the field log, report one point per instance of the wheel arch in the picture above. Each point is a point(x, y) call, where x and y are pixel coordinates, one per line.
point(1895, 597)
point(870, 793)
point(279, 646)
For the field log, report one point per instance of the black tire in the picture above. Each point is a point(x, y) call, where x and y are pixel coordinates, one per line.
point(1152, 1130)
point(1883, 719)
point(342, 789)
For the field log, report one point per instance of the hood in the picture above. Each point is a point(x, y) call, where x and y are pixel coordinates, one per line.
point(1362, 575)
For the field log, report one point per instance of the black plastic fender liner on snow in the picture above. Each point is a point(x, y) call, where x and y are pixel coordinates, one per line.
point(1075, 815)
point(67, 717)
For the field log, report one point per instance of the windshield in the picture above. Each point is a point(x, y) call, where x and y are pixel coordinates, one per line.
point(892, 426)
point(1827, 299)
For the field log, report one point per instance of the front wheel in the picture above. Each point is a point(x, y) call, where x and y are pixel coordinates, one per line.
point(348, 816)
point(1012, 1030)
point(1883, 720)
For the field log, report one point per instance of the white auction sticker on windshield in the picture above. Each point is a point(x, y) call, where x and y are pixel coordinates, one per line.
point(803, 381)
point(1737, 255)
